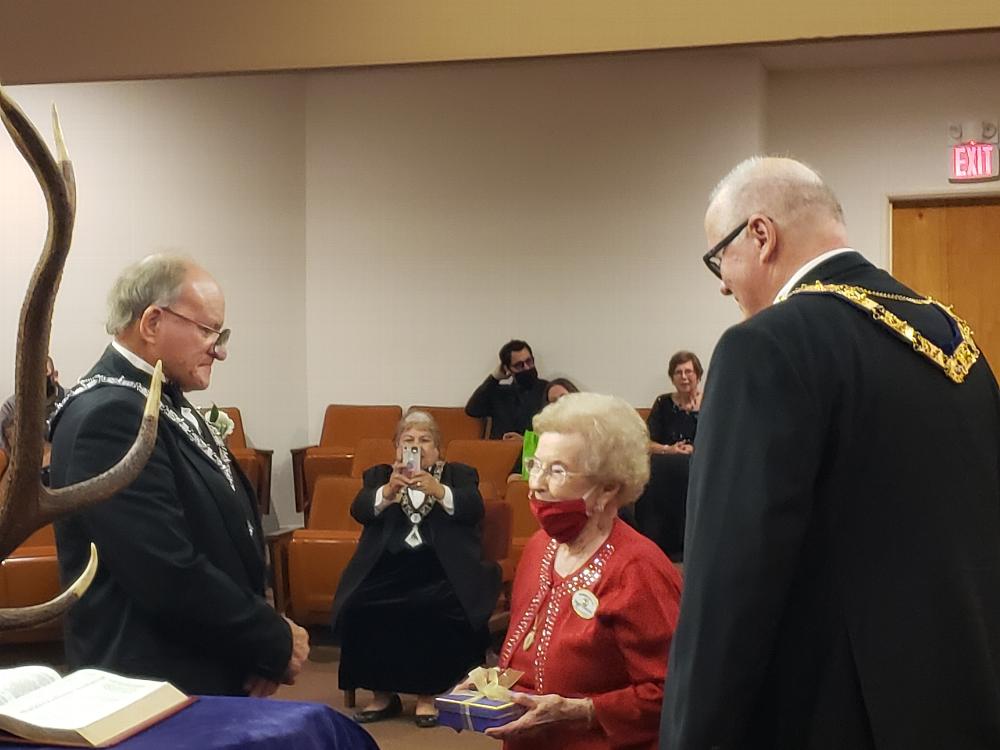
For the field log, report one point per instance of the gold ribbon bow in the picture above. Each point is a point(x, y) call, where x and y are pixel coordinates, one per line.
point(494, 683)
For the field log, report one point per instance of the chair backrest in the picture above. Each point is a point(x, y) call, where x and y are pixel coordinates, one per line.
point(371, 452)
point(331, 503)
point(238, 438)
point(643, 412)
point(493, 459)
point(524, 524)
point(496, 531)
point(345, 424)
point(3, 461)
point(454, 423)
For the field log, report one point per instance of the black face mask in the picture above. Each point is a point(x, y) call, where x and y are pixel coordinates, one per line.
point(526, 378)
point(50, 387)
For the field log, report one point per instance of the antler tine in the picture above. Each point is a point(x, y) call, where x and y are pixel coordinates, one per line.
point(20, 489)
point(25, 617)
point(59, 502)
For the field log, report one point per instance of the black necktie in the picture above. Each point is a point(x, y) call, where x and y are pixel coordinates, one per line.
point(174, 395)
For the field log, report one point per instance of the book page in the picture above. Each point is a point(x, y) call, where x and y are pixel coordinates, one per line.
point(22, 680)
point(79, 699)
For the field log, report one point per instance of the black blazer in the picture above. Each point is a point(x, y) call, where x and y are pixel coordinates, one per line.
point(456, 539)
point(842, 556)
point(179, 590)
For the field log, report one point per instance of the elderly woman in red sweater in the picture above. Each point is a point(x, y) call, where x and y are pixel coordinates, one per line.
point(594, 603)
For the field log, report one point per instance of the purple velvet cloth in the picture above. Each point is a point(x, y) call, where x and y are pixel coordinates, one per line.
point(219, 723)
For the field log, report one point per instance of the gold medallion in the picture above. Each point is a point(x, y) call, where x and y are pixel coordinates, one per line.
point(585, 604)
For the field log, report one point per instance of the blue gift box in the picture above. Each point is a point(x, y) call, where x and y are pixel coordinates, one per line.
point(467, 709)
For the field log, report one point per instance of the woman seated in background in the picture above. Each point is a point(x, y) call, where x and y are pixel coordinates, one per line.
point(594, 602)
point(412, 606)
point(673, 420)
point(558, 388)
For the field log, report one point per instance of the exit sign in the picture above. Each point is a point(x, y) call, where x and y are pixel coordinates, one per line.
point(973, 162)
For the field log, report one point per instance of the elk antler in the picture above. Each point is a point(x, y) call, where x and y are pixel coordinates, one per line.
point(25, 504)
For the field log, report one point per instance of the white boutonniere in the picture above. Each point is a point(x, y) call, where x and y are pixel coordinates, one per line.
point(221, 422)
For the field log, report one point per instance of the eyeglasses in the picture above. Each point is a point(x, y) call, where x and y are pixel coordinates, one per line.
point(558, 474)
point(222, 337)
point(713, 258)
point(523, 365)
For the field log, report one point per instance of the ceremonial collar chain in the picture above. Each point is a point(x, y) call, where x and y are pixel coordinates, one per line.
point(417, 514)
point(219, 458)
point(956, 365)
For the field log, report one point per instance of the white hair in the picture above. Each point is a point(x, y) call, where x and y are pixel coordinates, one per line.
point(154, 280)
point(616, 440)
point(779, 187)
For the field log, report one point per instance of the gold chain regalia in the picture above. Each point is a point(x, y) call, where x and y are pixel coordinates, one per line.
point(955, 365)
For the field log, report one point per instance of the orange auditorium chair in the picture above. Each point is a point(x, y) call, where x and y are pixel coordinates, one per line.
point(3, 461)
point(493, 459)
point(343, 426)
point(372, 452)
point(255, 462)
point(524, 522)
point(319, 553)
point(643, 412)
point(454, 423)
point(30, 575)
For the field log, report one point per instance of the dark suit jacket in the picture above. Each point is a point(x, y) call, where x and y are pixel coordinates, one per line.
point(842, 559)
point(509, 406)
point(179, 591)
point(456, 539)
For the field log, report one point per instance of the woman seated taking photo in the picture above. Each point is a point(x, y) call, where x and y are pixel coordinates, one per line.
point(412, 606)
point(594, 603)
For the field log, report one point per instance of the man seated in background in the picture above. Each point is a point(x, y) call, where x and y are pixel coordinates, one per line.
point(53, 395)
point(512, 406)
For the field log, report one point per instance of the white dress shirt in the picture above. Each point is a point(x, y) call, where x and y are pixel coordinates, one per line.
point(797, 276)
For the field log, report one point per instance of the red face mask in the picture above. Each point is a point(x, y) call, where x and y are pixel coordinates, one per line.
point(563, 520)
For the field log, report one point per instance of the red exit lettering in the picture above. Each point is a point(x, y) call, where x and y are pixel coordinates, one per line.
point(973, 161)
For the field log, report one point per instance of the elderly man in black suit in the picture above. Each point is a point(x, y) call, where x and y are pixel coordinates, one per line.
point(843, 530)
point(179, 592)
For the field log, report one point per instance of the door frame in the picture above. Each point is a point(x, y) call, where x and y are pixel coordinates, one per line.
point(979, 194)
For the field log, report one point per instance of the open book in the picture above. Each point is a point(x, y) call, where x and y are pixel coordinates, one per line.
point(88, 708)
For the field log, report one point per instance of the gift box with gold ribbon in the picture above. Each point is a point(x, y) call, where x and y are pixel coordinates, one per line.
point(487, 705)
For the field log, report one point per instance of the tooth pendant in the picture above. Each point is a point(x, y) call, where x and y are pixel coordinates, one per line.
point(529, 639)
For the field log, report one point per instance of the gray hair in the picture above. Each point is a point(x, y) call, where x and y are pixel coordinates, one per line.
point(422, 421)
point(154, 280)
point(780, 187)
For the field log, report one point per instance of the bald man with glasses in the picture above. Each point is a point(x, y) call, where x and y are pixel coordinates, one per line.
point(179, 594)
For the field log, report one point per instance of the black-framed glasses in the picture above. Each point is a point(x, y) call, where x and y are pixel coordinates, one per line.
point(713, 258)
point(222, 337)
point(522, 366)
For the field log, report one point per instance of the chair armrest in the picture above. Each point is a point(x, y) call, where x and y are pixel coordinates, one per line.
point(298, 477)
point(264, 458)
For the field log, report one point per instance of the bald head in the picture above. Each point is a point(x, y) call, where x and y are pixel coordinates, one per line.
point(791, 216)
point(786, 190)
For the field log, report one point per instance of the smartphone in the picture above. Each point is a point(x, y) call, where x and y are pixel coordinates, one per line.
point(411, 459)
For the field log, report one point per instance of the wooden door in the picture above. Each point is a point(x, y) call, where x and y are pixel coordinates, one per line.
point(950, 250)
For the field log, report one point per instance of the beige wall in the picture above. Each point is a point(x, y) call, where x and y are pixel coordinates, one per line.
point(877, 133)
point(381, 232)
point(452, 208)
